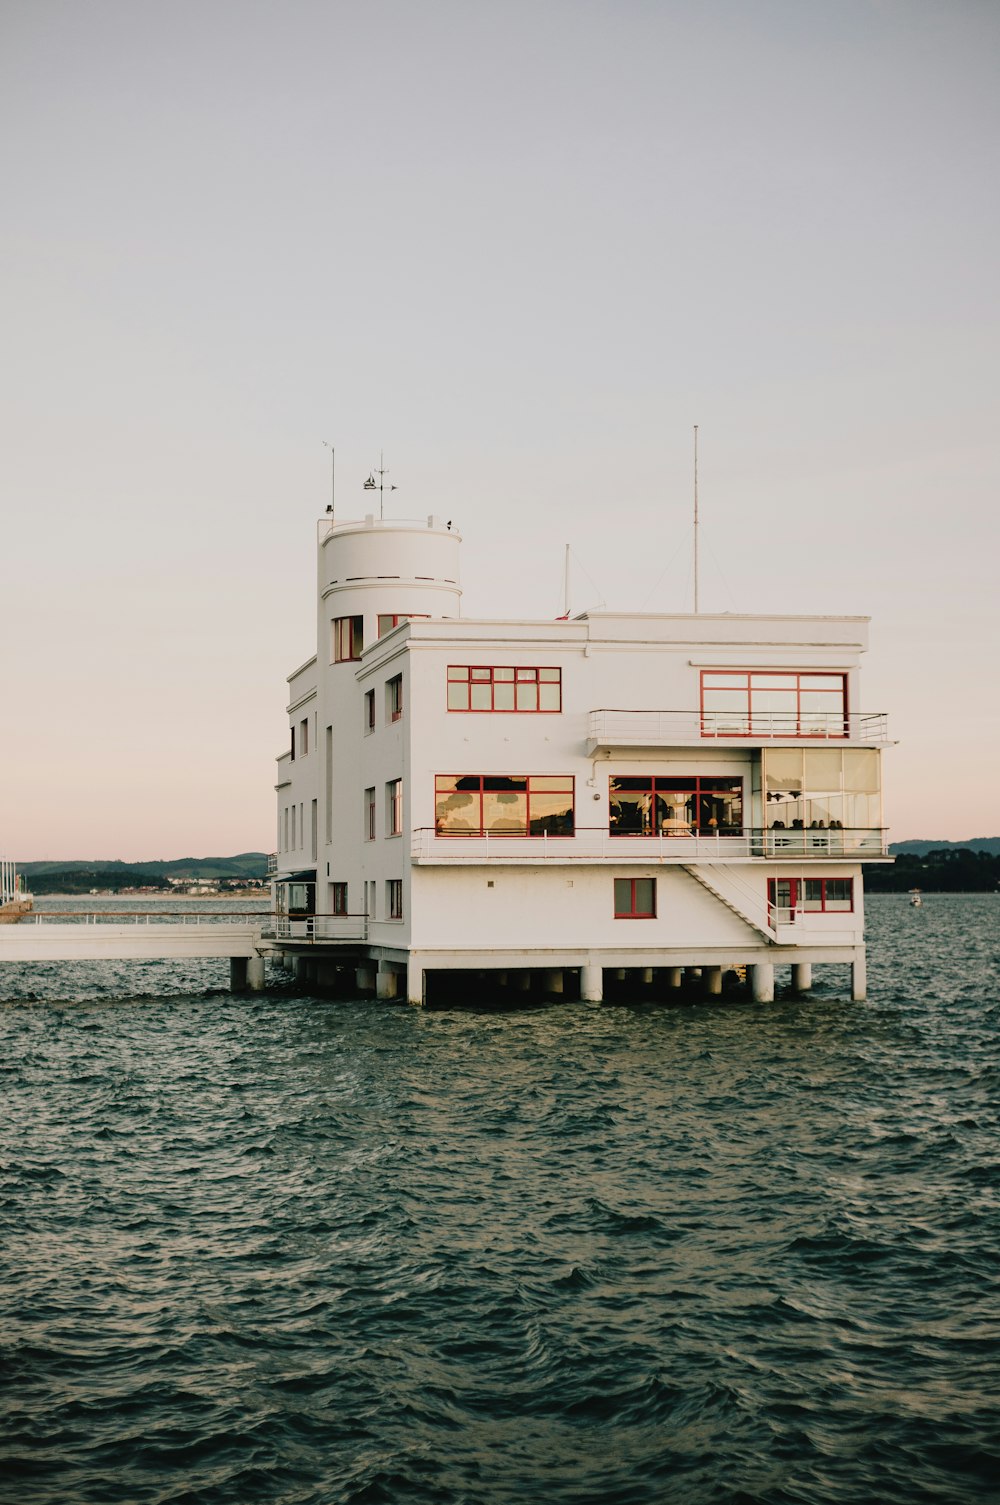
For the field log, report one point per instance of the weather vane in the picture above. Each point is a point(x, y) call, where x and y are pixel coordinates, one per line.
point(372, 485)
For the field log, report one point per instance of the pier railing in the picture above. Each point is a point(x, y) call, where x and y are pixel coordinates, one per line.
point(612, 728)
point(597, 844)
point(318, 927)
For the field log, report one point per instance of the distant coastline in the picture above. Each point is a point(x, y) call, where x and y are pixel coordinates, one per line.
point(192, 877)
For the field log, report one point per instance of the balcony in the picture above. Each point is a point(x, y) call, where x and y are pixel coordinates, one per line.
point(272, 864)
point(596, 844)
point(608, 729)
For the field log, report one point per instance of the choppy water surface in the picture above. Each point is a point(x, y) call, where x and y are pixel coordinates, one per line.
point(277, 1249)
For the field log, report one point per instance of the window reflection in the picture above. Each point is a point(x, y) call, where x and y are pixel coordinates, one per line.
point(746, 704)
point(679, 806)
point(503, 805)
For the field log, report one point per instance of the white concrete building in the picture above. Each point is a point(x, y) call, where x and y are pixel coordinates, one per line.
point(566, 804)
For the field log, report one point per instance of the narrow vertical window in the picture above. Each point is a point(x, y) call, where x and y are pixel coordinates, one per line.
point(369, 711)
point(394, 807)
point(303, 737)
point(394, 898)
point(329, 783)
point(370, 814)
point(338, 898)
point(314, 830)
point(394, 697)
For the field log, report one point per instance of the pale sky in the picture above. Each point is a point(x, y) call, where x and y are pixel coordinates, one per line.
point(523, 245)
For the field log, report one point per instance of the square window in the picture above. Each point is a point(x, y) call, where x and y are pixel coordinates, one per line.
point(635, 898)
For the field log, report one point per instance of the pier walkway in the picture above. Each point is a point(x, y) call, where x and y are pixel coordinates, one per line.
point(113, 937)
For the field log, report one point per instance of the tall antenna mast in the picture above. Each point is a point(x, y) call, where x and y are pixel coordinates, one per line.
point(696, 519)
point(566, 584)
point(333, 479)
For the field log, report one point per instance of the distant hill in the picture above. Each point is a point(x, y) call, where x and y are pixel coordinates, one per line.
point(73, 876)
point(990, 844)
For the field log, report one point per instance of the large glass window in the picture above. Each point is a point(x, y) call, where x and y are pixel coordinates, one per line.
point(682, 805)
point(472, 804)
point(753, 703)
point(635, 898)
point(348, 638)
point(810, 896)
point(822, 789)
point(502, 688)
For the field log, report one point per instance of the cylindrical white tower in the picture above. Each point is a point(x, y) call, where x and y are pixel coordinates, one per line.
point(374, 574)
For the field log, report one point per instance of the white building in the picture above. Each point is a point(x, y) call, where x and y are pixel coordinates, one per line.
point(566, 804)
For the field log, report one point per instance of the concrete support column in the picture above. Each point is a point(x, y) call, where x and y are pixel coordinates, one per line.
point(364, 977)
point(415, 983)
point(554, 980)
point(256, 974)
point(238, 974)
point(802, 977)
point(762, 982)
point(674, 977)
point(386, 983)
point(591, 984)
point(524, 981)
point(859, 978)
point(620, 974)
point(712, 978)
point(647, 974)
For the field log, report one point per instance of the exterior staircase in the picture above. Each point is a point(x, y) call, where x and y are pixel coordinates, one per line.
point(762, 924)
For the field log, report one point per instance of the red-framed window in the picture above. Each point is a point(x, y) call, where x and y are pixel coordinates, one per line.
point(682, 805)
point(476, 804)
point(348, 639)
point(369, 711)
point(388, 620)
point(338, 898)
point(635, 898)
point(473, 687)
point(394, 696)
point(394, 807)
point(810, 895)
point(370, 814)
point(757, 703)
point(394, 898)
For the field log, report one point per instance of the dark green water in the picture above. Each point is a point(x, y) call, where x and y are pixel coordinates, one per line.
point(275, 1249)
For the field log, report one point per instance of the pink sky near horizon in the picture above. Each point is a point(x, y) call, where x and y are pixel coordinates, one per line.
point(524, 248)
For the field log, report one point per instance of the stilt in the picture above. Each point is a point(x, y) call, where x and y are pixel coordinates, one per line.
point(674, 977)
point(524, 981)
point(238, 974)
point(647, 974)
point(414, 983)
point(364, 977)
point(256, 974)
point(554, 980)
point(299, 967)
point(762, 982)
point(591, 984)
point(620, 974)
point(386, 983)
point(712, 978)
point(859, 978)
point(802, 977)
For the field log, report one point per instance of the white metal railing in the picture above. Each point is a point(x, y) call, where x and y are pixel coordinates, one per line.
point(255, 918)
point(10, 883)
point(675, 728)
point(596, 844)
point(320, 927)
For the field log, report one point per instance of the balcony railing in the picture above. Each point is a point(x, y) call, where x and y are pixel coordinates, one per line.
point(596, 844)
point(609, 728)
point(272, 864)
point(320, 927)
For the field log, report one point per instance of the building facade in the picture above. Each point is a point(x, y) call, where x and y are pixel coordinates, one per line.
point(567, 805)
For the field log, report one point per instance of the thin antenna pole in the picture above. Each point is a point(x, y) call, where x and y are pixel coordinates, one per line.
point(566, 584)
point(696, 519)
point(381, 483)
point(333, 480)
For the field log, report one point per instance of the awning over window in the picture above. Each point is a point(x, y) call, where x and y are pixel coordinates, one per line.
point(304, 875)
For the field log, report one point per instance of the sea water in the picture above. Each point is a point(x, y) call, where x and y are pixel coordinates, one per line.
point(273, 1248)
